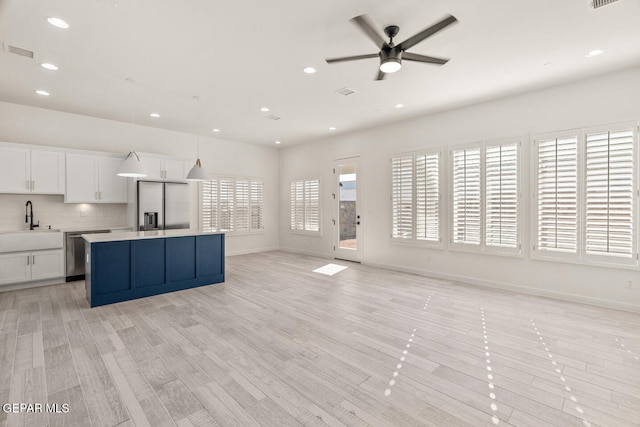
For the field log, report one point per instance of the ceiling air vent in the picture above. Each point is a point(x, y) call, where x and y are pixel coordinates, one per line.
point(22, 52)
point(595, 4)
point(272, 117)
point(345, 91)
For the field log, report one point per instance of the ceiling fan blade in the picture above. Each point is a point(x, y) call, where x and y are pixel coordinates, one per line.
point(417, 38)
point(351, 58)
point(422, 58)
point(381, 75)
point(364, 23)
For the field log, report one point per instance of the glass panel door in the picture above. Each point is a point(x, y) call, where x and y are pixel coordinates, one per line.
point(347, 213)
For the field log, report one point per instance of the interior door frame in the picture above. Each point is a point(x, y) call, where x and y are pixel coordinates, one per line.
point(339, 253)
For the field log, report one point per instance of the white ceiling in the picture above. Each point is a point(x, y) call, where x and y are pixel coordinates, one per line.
point(241, 55)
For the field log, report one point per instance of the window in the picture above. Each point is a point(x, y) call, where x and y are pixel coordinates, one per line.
point(557, 194)
point(305, 205)
point(609, 198)
point(485, 213)
point(586, 195)
point(415, 197)
point(232, 205)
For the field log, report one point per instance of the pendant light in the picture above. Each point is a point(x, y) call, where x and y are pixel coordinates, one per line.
point(132, 166)
point(197, 173)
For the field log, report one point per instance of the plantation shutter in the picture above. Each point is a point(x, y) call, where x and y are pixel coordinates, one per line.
point(210, 205)
point(501, 195)
point(257, 200)
point(557, 194)
point(609, 193)
point(466, 196)
point(225, 204)
point(312, 205)
point(427, 196)
point(241, 212)
point(402, 197)
point(297, 205)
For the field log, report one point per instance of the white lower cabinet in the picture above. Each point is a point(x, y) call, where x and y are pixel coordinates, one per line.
point(31, 266)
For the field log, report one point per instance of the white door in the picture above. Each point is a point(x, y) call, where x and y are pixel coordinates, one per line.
point(47, 172)
point(47, 264)
point(347, 210)
point(111, 187)
point(14, 268)
point(81, 179)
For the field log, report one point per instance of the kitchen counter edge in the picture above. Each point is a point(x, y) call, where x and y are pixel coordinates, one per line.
point(138, 235)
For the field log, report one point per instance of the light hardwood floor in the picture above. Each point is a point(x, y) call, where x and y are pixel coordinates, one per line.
point(279, 345)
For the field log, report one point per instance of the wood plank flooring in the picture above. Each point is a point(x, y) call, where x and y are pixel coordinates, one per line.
point(280, 345)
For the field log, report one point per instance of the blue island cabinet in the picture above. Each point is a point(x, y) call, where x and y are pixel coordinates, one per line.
point(123, 270)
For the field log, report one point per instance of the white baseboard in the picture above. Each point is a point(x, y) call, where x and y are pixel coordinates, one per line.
point(27, 285)
point(249, 251)
point(509, 287)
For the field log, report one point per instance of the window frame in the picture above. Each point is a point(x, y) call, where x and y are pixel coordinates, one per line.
point(414, 240)
point(536, 253)
point(304, 231)
point(234, 179)
point(482, 247)
point(581, 257)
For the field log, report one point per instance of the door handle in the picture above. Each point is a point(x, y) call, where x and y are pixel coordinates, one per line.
point(33, 259)
point(28, 259)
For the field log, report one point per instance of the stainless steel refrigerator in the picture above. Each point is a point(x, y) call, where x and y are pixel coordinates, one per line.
point(163, 205)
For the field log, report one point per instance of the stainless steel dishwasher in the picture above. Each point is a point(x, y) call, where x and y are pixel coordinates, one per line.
point(74, 255)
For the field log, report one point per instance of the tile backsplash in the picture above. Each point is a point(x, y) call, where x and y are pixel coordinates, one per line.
point(51, 210)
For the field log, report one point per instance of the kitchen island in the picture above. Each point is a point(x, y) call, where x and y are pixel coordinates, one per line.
point(129, 265)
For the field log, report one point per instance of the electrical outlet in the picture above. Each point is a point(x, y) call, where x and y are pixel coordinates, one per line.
point(82, 213)
point(630, 285)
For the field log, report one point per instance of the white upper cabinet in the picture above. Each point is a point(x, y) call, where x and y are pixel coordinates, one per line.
point(93, 179)
point(163, 169)
point(24, 170)
point(47, 172)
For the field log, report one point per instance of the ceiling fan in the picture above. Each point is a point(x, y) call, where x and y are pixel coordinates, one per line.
point(391, 54)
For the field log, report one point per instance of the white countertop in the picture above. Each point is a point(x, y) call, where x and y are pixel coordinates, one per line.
point(92, 228)
point(136, 235)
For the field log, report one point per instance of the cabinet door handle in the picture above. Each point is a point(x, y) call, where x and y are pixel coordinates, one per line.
point(33, 185)
point(28, 185)
point(28, 260)
point(33, 259)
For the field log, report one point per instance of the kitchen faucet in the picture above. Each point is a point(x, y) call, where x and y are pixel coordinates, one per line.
point(29, 216)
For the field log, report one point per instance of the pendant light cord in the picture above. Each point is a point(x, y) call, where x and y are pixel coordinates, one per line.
point(197, 98)
point(133, 96)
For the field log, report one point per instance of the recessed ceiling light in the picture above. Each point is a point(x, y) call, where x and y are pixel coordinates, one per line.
point(43, 92)
point(277, 142)
point(215, 130)
point(332, 128)
point(264, 109)
point(399, 105)
point(309, 70)
point(154, 115)
point(594, 52)
point(49, 66)
point(57, 22)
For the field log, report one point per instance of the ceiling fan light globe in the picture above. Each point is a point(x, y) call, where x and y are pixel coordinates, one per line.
point(390, 65)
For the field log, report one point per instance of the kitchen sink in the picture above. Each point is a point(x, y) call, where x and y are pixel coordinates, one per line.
point(30, 240)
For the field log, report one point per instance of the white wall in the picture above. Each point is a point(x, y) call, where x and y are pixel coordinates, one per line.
point(606, 99)
point(29, 125)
